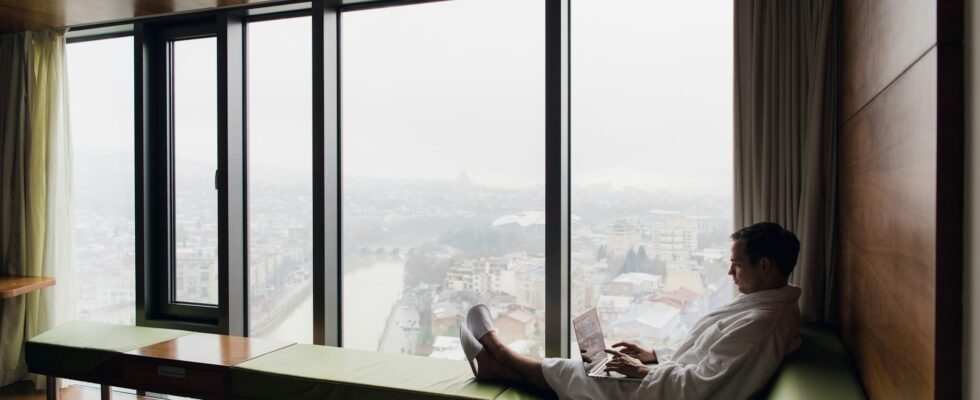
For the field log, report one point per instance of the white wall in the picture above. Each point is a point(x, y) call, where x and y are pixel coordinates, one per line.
point(971, 239)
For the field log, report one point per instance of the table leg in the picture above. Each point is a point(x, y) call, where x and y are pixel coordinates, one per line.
point(106, 392)
point(51, 387)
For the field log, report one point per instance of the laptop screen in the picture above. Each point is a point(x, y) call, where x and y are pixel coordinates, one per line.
point(588, 333)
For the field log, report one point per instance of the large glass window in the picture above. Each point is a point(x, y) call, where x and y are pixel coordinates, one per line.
point(651, 135)
point(443, 174)
point(280, 180)
point(100, 79)
point(194, 91)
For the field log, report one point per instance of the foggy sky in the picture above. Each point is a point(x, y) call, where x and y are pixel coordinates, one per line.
point(434, 89)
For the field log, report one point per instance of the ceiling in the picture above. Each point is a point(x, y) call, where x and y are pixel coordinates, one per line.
point(26, 15)
point(23, 15)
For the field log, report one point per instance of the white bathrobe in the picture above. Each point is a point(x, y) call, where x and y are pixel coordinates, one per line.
point(731, 353)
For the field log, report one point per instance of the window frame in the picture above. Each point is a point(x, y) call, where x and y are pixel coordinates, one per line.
point(170, 37)
point(156, 300)
point(153, 151)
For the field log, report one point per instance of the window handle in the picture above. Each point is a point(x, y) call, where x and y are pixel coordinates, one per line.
point(216, 179)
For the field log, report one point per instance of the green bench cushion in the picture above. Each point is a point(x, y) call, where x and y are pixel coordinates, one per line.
point(320, 372)
point(77, 347)
point(819, 369)
point(517, 393)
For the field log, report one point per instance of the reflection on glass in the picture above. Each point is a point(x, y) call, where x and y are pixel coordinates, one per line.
point(443, 174)
point(100, 87)
point(280, 180)
point(195, 141)
point(651, 165)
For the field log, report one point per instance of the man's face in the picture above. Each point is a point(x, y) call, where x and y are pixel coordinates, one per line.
point(747, 276)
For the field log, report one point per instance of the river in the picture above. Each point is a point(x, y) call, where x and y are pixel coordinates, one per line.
point(369, 293)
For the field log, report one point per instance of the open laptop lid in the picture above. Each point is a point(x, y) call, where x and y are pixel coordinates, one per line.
point(588, 333)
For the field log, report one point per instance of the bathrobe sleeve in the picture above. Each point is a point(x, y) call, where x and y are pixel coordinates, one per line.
point(732, 364)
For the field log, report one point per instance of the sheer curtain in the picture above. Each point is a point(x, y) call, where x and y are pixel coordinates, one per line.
point(786, 132)
point(35, 188)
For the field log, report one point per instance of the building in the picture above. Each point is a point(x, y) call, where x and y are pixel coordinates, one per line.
point(446, 318)
point(517, 324)
point(683, 279)
point(635, 284)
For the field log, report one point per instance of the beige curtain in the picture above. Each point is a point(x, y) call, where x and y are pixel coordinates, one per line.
point(786, 132)
point(35, 191)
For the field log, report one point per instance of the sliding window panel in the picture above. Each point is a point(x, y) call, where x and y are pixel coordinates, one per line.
point(194, 119)
point(100, 79)
point(280, 169)
point(651, 165)
point(443, 158)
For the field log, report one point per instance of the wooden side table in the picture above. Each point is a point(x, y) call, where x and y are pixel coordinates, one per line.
point(13, 286)
point(196, 365)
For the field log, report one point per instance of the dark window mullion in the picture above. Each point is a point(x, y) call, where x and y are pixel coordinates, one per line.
point(557, 225)
point(171, 266)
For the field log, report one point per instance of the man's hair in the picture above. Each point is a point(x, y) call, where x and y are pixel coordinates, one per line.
point(768, 239)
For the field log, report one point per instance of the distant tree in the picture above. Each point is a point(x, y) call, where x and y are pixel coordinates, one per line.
point(425, 338)
point(467, 297)
point(452, 330)
point(493, 241)
point(629, 264)
point(658, 267)
point(601, 253)
point(649, 265)
point(421, 268)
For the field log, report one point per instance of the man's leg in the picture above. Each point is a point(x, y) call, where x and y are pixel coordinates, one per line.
point(526, 367)
point(490, 369)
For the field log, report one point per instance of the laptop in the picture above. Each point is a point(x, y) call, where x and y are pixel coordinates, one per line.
point(588, 333)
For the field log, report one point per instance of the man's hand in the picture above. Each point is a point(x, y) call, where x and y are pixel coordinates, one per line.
point(645, 356)
point(626, 365)
point(585, 358)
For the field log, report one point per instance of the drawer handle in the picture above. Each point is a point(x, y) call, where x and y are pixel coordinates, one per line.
point(173, 372)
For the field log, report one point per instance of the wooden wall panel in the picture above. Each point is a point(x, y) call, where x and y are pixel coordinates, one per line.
point(22, 15)
point(887, 204)
point(882, 38)
point(900, 197)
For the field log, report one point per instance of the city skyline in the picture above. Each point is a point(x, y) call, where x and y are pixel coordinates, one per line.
point(584, 231)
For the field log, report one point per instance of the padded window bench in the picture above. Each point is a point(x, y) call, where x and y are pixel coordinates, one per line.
point(128, 356)
point(226, 367)
point(819, 369)
point(89, 351)
point(312, 372)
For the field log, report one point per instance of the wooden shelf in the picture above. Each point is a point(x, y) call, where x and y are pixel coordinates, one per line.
point(13, 286)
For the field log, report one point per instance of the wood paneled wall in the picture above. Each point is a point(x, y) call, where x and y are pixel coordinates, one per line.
point(23, 15)
point(900, 197)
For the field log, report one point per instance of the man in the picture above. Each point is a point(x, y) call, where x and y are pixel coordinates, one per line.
point(729, 354)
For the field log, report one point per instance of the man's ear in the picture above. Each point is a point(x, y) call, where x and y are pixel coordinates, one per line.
point(765, 266)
